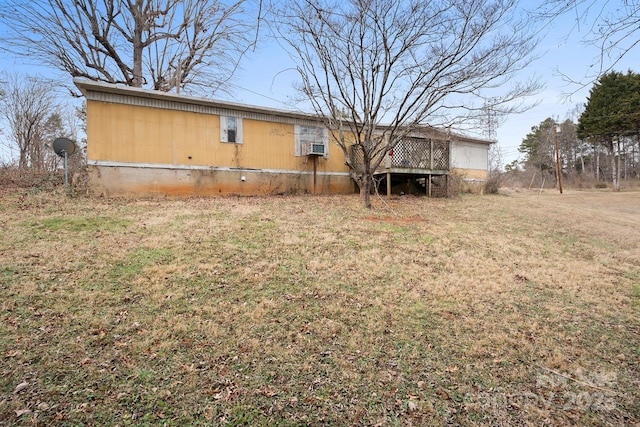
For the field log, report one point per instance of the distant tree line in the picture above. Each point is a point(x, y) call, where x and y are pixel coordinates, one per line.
point(603, 145)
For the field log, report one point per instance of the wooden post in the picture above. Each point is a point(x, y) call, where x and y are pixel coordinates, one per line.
point(532, 178)
point(446, 184)
point(429, 185)
point(315, 169)
point(430, 154)
point(388, 185)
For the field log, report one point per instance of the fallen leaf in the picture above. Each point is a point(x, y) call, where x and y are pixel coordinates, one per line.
point(223, 395)
point(427, 408)
point(208, 413)
point(21, 387)
point(269, 391)
point(412, 406)
point(443, 394)
point(21, 412)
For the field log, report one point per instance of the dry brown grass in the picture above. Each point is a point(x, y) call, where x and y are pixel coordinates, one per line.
point(519, 309)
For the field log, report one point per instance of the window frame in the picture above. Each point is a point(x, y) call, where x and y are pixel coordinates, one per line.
point(224, 129)
point(321, 137)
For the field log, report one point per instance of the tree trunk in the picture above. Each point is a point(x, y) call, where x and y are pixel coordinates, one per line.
point(138, 18)
point(618, 168)
point(365, 190)
point(22, 162)
point(632, 160)
point(625, 162)
point(597, 171)
point(615, 173)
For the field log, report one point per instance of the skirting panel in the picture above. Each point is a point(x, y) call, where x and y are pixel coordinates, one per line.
point(162, 182)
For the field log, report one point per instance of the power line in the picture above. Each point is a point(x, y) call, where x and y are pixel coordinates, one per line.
point(279, 101)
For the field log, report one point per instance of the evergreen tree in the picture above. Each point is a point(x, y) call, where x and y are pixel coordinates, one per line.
point(612, 113)
point(538, 148)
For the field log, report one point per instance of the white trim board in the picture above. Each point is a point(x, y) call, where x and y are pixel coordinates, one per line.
point(109, 164)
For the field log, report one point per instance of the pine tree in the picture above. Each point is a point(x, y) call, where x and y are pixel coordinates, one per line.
point(612, 112)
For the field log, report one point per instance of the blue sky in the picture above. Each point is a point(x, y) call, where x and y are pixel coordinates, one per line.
point(267, 79)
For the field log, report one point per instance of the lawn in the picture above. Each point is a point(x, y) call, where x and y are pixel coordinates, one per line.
point(517, 309)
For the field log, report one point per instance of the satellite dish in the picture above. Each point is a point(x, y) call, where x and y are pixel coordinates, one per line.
point(64, 146)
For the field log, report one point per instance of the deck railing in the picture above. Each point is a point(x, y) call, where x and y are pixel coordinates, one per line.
point(412, 153)
point(421, 153)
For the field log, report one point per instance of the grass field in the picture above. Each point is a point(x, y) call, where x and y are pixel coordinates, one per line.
point(518, 309)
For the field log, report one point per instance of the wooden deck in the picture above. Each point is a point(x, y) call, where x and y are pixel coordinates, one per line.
point(423, 161)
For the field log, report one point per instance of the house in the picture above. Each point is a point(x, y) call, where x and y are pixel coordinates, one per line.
point(146, 143)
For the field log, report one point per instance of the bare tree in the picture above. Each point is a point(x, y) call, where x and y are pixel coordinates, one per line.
point(613, 27)
point(161, 44)
point(408, 63)
point(33, 118)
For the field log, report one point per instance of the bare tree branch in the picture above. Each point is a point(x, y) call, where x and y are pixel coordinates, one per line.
point(34, 118)
point(613, 27)
point(147, 43)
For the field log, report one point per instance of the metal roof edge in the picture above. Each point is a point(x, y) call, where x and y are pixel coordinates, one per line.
point(85, 85)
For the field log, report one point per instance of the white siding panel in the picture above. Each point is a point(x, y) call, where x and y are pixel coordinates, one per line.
point(465, 155)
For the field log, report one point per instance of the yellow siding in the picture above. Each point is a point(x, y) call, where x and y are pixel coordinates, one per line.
point(124, 133)
point(133, 134)
point(266, 145)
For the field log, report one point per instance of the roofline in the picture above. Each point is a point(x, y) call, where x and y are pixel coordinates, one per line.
point(86, 85)
point(426, 130)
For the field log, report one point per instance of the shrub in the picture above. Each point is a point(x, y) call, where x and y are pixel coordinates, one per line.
point(492, 186)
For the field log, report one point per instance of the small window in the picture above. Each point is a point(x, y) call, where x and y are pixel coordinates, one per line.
point(231, 129)
point(311, 140)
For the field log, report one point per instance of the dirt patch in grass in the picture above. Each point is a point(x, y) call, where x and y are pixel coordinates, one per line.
point(499, 310)
point(391, 219)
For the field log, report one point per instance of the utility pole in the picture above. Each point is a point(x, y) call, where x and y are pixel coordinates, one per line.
point(558, 168)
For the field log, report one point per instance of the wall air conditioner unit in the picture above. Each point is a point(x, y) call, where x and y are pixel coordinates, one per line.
point(315, 150)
